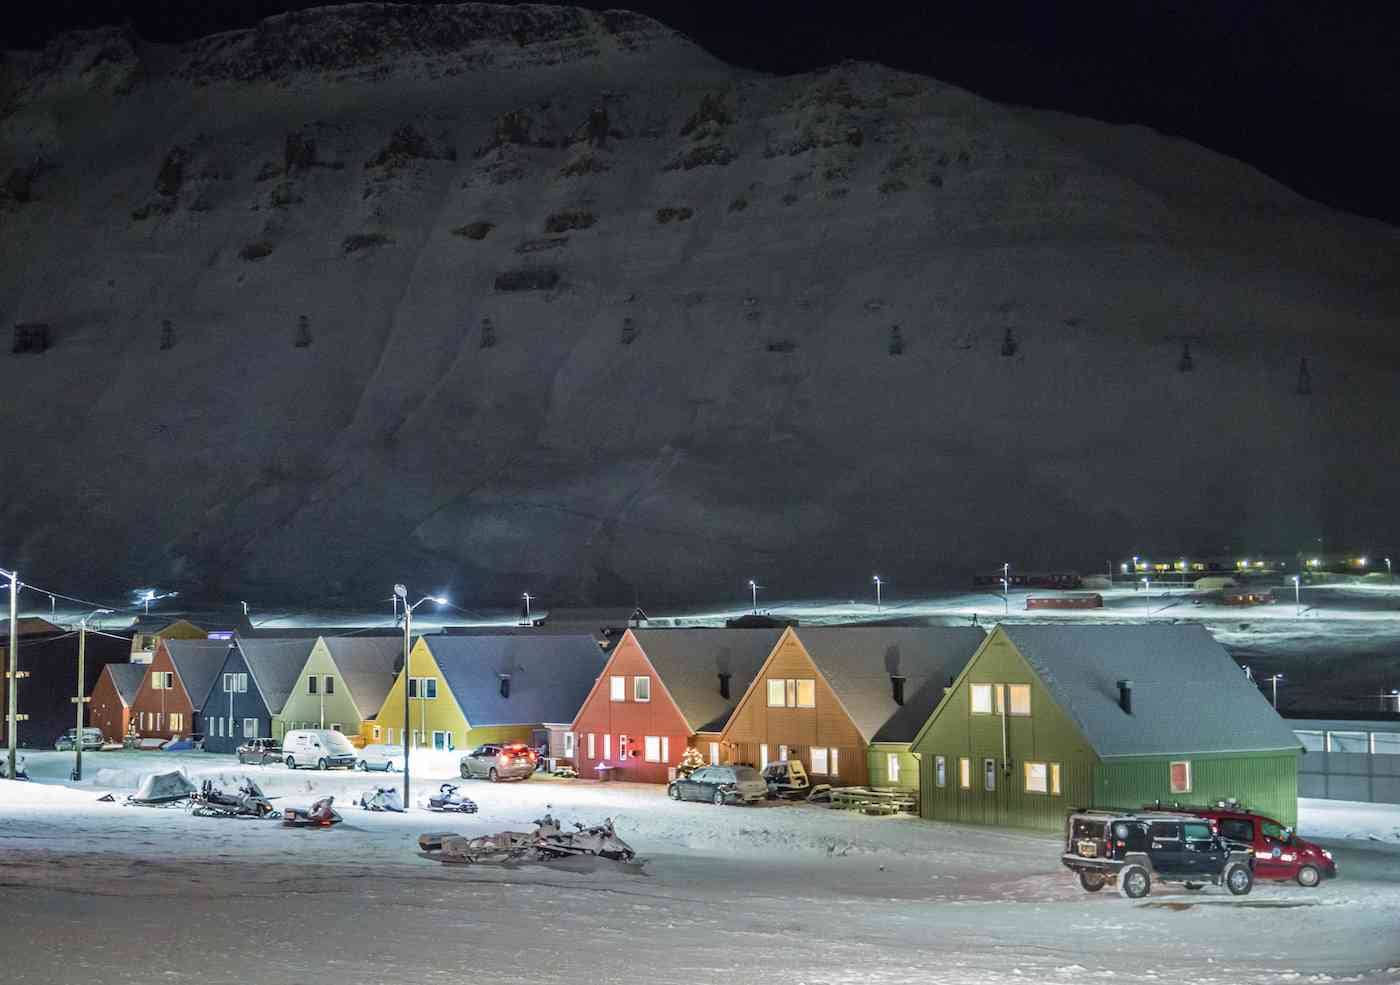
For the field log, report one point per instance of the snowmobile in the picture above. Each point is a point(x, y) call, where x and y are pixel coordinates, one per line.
point(448, 799)
point(162, 790)
point(547, 842)
point(382, 799)
point(20, 772)
point(247, 801)
point(786, 779)
point(319, 815)
point(600, 839)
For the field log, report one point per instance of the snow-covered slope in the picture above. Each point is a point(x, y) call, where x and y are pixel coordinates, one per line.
point(589, 310)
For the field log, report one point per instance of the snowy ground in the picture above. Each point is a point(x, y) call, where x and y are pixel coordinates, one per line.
point(790, 893)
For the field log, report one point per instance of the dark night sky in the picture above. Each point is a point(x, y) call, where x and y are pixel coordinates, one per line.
point(1306, 91)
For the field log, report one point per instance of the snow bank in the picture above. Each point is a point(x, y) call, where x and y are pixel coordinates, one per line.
point(1348, 819)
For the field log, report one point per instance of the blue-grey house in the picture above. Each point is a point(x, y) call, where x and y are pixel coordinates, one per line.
point(250, 690)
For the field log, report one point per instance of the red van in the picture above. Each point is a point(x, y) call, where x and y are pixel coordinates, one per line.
point(1278, 853)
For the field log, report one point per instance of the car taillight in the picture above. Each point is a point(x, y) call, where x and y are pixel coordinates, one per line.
point(531, 754)
point(502, 759)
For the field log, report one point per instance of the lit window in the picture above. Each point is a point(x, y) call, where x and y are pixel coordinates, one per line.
point(619, 688)
point(714, 753)
point(242, 683)
point(1020, 698)
point(1037, 777)
point(665, 749)
point(653, 749)
point(835, 762)
point(782, 754)
point(776, 697)
point(981, 699)
point(568, 743)
point(177, 721)
point(1181, 777)
point(376, 732)
point(763, 756)
point(607, 745)
point(792, 693)
point(592, 753)
point(250, 728)
point(940, 771)
point(806, 694)
point(1054, 779)
point(965, 773)
point(641, 689)
point(892, 767)
point(989, 774)
point(819, 763)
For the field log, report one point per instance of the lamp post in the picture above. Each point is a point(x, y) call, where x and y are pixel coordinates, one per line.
point(753, 588)
point(1389, 570)
point(1297, 596)
point(1183, 572)
point(81, 699)
point(1274, 679)
point(528, 598)
point(878, 583)
point(12, 675)
point(245, 609)
point(401, 592)
point(1006, 588)
point(1147, 586)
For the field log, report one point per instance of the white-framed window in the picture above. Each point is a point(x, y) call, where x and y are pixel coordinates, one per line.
point(964, 773)
point(1180, 774)
point(835, 762)
point(892, 767)
point(940, 771)
point(219, 727)
point(420, 687)
point(665, 748)
point(763, 756)
point(1037, 778)
point(618, 688)
point(374, 732)
point(981, 699)
point(989, 774)
point(591, 753)
point(328, 684)
point(250, 728)
point(641, 689)
point(389, 735)
point(819, 761)
point(1019, 699)
point(1054, 779)
point(313, 684)
point(792, 692)
point(228, 683)
point(568, 743)
point(653, 749)
point(336, 727)
point(714, 753)
point(177, 721)
point(607, 745)
point(782, 754)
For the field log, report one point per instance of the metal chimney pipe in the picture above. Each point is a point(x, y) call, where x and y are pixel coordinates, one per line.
point(1125, 696)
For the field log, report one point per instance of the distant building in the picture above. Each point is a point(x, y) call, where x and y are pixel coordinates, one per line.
point(112, 697)
point(147, 632)
point(48, 657)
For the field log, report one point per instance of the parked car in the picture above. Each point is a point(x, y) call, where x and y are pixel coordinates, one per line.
point(720, 785)
point(786, 779)
point(258, 752)
point(513, 761)
point(1279, 854)
point(1134, 849)
point(380, 758)
point(322, 748)
point(92, 739)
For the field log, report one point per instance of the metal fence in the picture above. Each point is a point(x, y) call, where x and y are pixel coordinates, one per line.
point(1349, 760)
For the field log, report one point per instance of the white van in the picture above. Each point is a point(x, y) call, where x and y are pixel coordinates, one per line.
point(322, 748)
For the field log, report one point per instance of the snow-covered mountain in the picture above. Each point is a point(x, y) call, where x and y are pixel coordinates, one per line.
point(495, 298)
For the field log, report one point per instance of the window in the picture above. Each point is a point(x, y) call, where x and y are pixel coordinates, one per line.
point(1236, 829)
point(782, 754)
point(1019, 698)
point(665, 749)
point(418, 687)
point(1037, 778)
point(819, 763)
point(835, 761)
point(989, 774)
point(228, 682)
point(250, 728)
point(329, 687)
point(1054, 779)
point(892, 767)
point(622, 748)
point(568, 743)
point(336, 727)
point(177, 721)
point(374, 732)
point(714, 753)
point(389, 736)
point(965, 773)
point(1180, 773)
point(313, 681)
point(940, 771)
point(607, 743)
point(619, 689)
point(792, 693)
point(1196, 831)
point(763, 756)
point(591, 753)
point(641, 689)
point(219, 727)
point(981, 699)
point(1165, 831)
point(1272, 831)
point(653, 746)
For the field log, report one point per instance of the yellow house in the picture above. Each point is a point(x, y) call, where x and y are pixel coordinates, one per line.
point(466, 691)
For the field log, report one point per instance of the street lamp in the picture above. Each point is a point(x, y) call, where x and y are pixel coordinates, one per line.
point(1274, 679)
point(401, 592)
point(878, 583)
point(753, 588)
point(12, 674)
point(1147, 584)
point(1006, 588)
point(1297, 596)
point(82, 699)
point(528, 598)
point(1183, 572)
point(1389, 570)
point(245, 609)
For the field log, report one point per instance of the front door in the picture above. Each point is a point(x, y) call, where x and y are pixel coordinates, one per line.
point(439, 740)
point(1165, 847)
point(1201, 853)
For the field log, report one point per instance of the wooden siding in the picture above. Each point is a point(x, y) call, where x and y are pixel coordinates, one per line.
point(636, 720)
point(1047, 735)
point(827, 725)
point(305, 710)
point(1263, 782)
point(223, 732)
point(152, 707)
point(107, 711)
point(427, 715)
point(878, 765)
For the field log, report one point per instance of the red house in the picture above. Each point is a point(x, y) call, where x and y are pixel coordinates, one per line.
point(176, 683)
point(661, 691)
point(109, 708)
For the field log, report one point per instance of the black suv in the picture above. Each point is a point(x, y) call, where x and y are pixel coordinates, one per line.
point(1135, 847)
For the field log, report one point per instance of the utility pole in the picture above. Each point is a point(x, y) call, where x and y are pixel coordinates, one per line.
point(753, 587)
point(400, 592)
point(1274, 679)
point(12, 675)
point(1006, 588)
point(82, 698)
point(1297, 596)
point(878, 583)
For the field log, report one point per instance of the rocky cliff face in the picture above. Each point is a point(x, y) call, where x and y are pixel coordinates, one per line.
point(504, 297)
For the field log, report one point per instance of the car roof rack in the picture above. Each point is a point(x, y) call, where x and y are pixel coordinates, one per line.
point(1220, 805)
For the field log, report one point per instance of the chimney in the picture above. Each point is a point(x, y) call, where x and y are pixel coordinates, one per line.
point(505, 685)
point(1125, 696)
point(724, 686)
point(897, 687)
point(949, 686)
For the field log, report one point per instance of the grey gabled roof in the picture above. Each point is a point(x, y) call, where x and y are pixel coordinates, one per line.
point(126, 678)
point(198, 663)
point(368, 667)
point(689, 662)
point(859, 662)
point(275, 666)
point(1189, 696)
point(550, 676)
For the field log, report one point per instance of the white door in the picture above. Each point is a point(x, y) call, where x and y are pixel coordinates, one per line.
point(714, 753)
point(763, 756)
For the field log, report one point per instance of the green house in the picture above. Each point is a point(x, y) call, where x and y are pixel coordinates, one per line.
point(1045, 719)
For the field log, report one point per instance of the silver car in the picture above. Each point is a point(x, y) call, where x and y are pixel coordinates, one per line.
point(721, 785)
point(513, 761)
point(92, 739)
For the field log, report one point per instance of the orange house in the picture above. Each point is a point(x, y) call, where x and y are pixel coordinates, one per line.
point(109, 707)
point(176, 682)
point(824, 695)
point(661, 691)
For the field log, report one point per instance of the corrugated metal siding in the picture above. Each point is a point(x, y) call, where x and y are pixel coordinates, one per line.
point(1264, 782)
